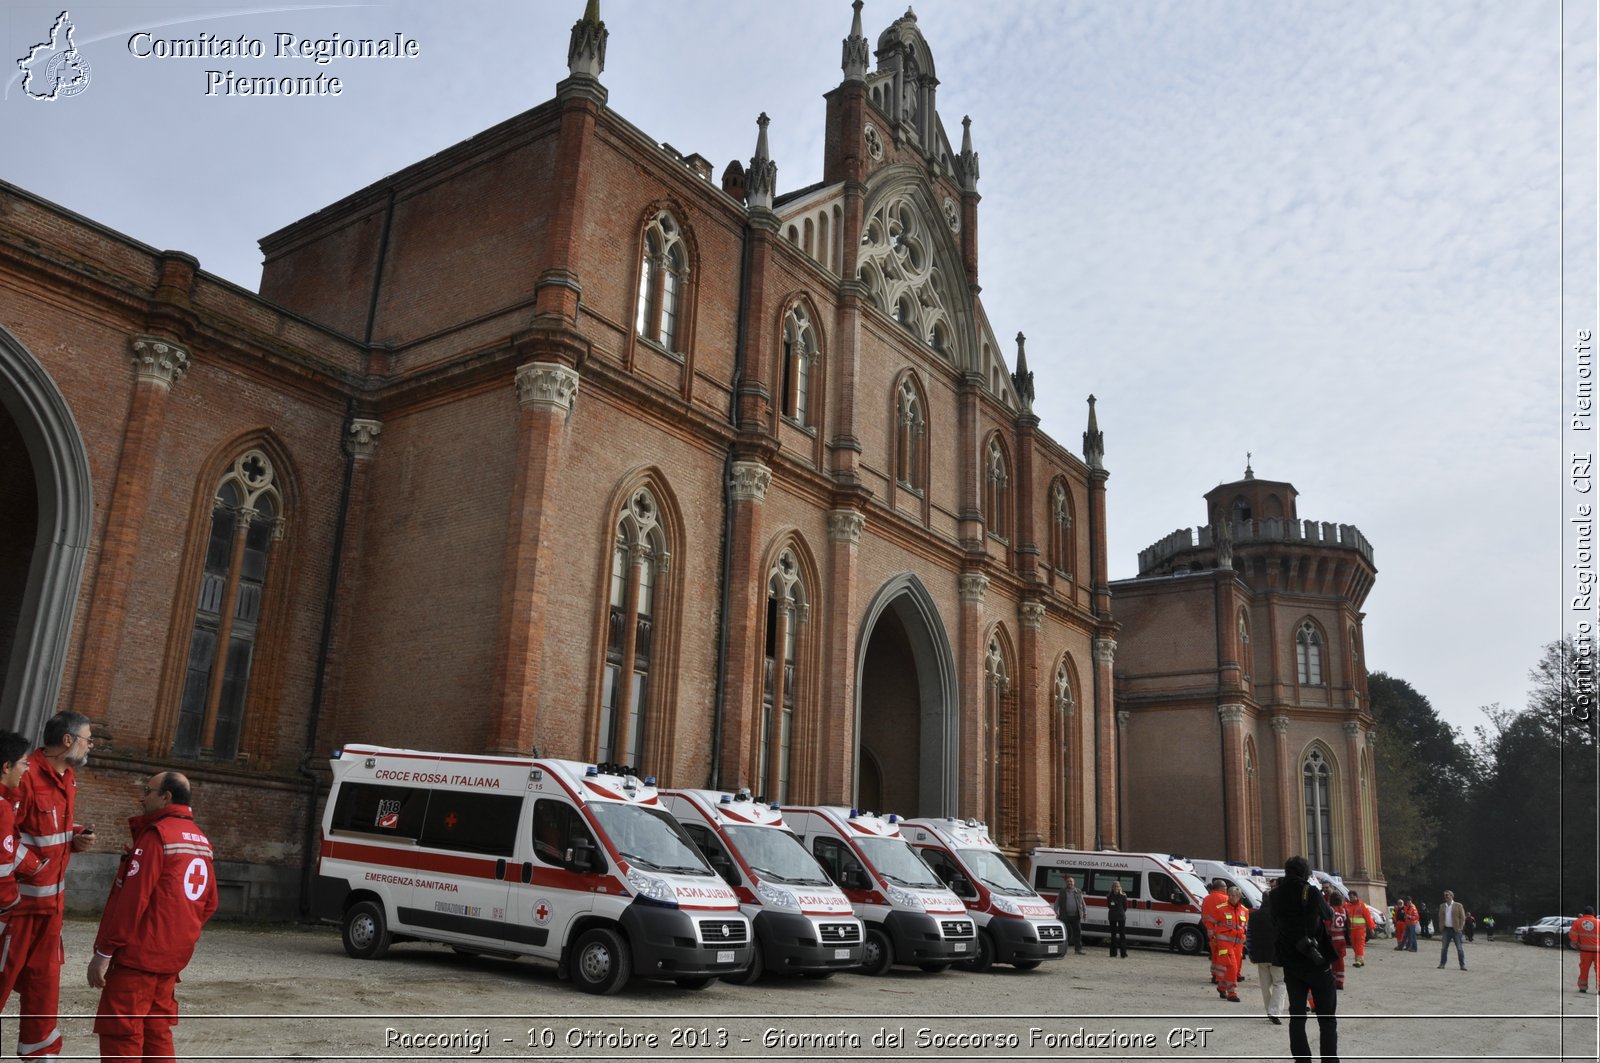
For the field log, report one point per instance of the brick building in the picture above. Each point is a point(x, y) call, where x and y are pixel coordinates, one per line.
point(1241, 650)
point(556, 441)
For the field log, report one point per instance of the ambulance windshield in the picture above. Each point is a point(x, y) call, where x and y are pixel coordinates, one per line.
point(898, 862)
point(777, 856)
point(649, 839)
point(995, 871)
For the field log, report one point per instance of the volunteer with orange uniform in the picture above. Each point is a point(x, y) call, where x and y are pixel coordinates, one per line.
point(165, 890)
point(1235, 927)
point(1585, 934)
point(1356, 910)
point(1217, 914)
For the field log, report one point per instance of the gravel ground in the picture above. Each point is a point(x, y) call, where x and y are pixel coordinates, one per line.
point(291, 993)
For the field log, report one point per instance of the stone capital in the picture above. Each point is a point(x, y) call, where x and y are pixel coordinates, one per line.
point(1372, 738)
point(158, 361)
point(974, 585)
point(846, 525)
point(1230, 713)
point(1123, 716)
point(1280, 725)
point(1030, 615)
point(1105, 651)
point(362, 440)
point(548, 386)
point(1352, 728)
point(750, 481)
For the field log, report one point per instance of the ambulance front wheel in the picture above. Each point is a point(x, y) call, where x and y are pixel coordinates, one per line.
point(600, 961)
point(1189, 941)
point(983, 958)
point(366, 931)
point(1025, 965)
point(878, 956)
point(752, 974)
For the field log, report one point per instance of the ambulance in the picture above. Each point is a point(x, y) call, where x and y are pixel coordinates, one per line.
point(804, 924)
point(910, 917)
point(1015, 924)
point(1163, 893)
point(556, 859)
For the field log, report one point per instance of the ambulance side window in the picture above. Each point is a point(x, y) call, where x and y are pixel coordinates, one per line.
point(711, 846)
point(1098, 883)
point(1165, 890)
point(840, 863)
point(948, 872)
point(559, 829)
point(471, 822)
point(393, 811)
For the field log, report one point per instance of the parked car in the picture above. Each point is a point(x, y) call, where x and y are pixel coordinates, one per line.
point(1547, 933)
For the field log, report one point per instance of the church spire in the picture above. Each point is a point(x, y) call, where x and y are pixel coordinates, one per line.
point(1022, 378)
point(1094, 441)
point(586, 51)
point(855, 48)
point(969, 158)
point(1249, 473)
point(762, 180)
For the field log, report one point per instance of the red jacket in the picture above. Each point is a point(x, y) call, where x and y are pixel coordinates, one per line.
point(15, 857)
point(44, 824)
point(166, 889)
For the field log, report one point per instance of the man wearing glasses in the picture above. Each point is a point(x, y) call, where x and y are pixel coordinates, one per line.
point(45, 825)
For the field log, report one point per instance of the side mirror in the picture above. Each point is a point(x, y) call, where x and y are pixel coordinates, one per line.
point(961, 887)
point(583, 857)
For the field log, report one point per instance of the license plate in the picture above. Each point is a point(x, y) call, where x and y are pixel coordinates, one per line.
point(725, 956)
point(1051, 950)
point(961, 946)
point(841, 954)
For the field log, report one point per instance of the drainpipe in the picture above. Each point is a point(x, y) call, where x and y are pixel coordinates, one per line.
point(726, 561)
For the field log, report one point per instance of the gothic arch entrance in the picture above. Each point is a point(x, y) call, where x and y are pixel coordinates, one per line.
point(906, 705)
point(44, 481)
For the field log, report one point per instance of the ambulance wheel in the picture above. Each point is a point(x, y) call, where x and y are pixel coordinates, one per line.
point(821, 976)
point(934, 968)
point(752, 974)
point(983, 959)
point(600, 961)
point(878, 956)
point(1025, 965)
point(695, 983)
point(366, 931)
point(1189, 941)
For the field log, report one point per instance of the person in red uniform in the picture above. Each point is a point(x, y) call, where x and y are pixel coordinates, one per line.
point(48, 792)
point(1585, 935)
point(1356, 910)
point(1337, 921)
point(1233, 930)
point(15, 857)
point(165, 890)
point(1218, 917)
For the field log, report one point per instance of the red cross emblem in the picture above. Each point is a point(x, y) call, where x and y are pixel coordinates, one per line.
point(450, 821)
point(195, 879)
point(541, 913)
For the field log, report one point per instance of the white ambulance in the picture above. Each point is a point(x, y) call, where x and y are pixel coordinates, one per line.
point(515, 856)
point(804, 924)
point(1015, 924)
point(910, 916)
point(1163, 893)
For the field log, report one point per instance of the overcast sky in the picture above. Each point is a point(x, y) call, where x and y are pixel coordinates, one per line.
point(1328, 233)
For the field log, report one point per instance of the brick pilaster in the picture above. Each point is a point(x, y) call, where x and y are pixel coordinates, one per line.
point(836, 744)
point(746, 618)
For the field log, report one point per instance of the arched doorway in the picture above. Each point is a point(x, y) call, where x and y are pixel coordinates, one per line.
point(906, 718)
point(44, 480)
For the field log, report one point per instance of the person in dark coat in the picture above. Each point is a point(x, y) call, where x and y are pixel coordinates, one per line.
point(1117, 917)
point(1305, 952)
point(1260, 944)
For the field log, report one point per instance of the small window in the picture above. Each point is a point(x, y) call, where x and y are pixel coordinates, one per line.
point(710, 846)
point(558, 829)
point(472, 823)
point(393, 811)
point(1308, 654)
point(948, 872)
point(1098, 883)
point(840, 863)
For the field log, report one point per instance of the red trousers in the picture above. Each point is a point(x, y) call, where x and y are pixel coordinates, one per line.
point(1225, 961)
point(137, 1013)
point(1358, 940)
point(31, 955)
point(1586, 962)
point(1338, 963)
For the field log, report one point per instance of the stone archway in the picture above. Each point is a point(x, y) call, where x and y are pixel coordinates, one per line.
point(906, 703)
point(44, 475)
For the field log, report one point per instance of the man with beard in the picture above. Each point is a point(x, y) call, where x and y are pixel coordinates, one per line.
point(49, 791)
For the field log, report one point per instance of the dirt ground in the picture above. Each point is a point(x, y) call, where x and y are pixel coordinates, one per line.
point(255, 993)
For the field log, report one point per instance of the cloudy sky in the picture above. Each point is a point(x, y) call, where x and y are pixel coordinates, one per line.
point(1329, 234)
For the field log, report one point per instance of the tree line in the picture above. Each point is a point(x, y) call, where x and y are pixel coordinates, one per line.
point(1506, 817)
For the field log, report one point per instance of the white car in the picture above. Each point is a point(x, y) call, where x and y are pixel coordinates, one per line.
point(1546, 933)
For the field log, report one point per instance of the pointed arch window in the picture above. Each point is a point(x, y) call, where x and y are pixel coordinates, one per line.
point(662, 278)
point(246, 520)
point(1317, 777)
point(1244, 646)
point(910, 437)
point(1065, 703)
point(639, 559)
point(787, 613)
point(1060, 525)
point(1308, 654)
point(799, 358)
point(997, 489)
point(999, 740)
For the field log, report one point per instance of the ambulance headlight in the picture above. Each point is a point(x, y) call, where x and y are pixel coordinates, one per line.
point(905, 898)
point(1005, 904)
point(773, 897)
point(652, 888)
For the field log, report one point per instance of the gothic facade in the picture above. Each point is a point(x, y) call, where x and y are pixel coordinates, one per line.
point(555, 442)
